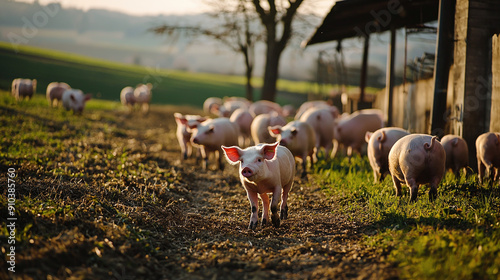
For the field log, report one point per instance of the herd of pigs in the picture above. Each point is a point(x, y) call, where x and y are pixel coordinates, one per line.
point(75, 99)
point(259, 137)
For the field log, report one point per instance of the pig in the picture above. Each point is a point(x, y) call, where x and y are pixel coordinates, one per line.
point(457, 153)
point(417, 159)
point(127, 97)
point(264, 107)
point(350, 131)
point(185, 124)
point(243, 118)
point(210, 104)
point(380, 143)
point(310, 104)
point(142, 95)
point(263, 169)
point(23, 88)
point(299, 137)
point(488, 155)
point(289, 110)
point(211, 134)
point(229, 106)
point(322, 119)
point(259, 127)
point(55, 92)
point(74, 99)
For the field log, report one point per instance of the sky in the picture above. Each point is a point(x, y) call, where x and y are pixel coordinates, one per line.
point(155, 7)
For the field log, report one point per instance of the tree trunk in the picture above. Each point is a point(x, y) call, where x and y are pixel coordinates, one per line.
point(271, 73)
point(248, 86)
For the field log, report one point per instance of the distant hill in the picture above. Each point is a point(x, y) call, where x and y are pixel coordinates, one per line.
point(125, 38)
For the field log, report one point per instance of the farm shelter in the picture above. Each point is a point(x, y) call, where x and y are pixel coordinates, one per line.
point(360, 18)
point(463, 96)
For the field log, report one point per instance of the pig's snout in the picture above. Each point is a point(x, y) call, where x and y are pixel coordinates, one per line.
point(246, 172)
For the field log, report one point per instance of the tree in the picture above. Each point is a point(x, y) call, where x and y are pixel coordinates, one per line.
point(275, 21)
point(236, 31)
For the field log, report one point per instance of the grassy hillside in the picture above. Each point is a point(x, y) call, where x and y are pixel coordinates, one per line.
point(105, 79)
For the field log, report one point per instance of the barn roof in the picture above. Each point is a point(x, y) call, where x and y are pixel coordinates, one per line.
point(355, 18)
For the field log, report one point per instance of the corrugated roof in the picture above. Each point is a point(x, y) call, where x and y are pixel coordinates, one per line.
point(356, 18)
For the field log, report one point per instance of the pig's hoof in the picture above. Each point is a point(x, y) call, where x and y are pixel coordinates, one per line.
point(284, 213)
point(252, 225)
point(276, 220)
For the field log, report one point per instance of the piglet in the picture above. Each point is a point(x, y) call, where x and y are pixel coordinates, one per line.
point(23, 88)
point(417, 159)
point(457, 153)
point(127, 97)
point(142, 96)
point(74, 99)
point(259, 125)
point(299, 137)
point(265, 168)
point(185, 124)
point(488, 155)
point(55, 92)
point(322, 120)
point(211, 134)
point(380, 143)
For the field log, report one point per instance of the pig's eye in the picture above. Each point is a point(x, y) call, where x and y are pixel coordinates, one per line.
point(259, 160)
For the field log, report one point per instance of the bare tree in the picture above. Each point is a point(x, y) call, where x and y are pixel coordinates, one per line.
point(237, 31)
point(277, 21)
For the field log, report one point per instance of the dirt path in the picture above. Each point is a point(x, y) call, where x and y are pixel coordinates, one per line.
point(316, 242)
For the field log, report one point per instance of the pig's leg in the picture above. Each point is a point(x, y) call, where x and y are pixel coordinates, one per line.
point(275, 217)
point(397, 185)
point(254, 206)
point(495, 178)
point(219, 160)
point(284, 199)
point(481, 168)
point(434, 188)
point(265, 205)
point(412, 184)
point(204, 156)
point(335, 148)
point(376, 176)
point(304, 166)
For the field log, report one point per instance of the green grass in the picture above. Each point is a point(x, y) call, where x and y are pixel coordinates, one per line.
point(455, 237)
point(105, 79)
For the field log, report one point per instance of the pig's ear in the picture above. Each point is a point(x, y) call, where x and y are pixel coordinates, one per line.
point(368, 135)
point(274, 130)
point(211, 129)
point(232, 153)
point(269, 151)
point(180, 118)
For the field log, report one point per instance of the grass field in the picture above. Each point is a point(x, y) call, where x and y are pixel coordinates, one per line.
point(106, 79)
point(105, 195)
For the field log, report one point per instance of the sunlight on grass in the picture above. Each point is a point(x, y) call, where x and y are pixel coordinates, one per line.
point(457, 235)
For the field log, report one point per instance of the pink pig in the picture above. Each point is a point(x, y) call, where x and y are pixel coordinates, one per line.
point(265, 168)
point(417, 159)
point(55, 92)
point(350, 131)
point(322, 120)
point(23, 88)
point(380, 143)
point(243, 118)
point(299, 137)
point(185, 124)
point(211, 134)
point(258, 128)
point(488, 155)
point(74, 99)
point(457, 153)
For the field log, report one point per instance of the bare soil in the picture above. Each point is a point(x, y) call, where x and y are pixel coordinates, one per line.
point(170, 219)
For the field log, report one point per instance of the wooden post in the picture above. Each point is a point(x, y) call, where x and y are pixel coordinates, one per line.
point(390, 76)
point(444, 49)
